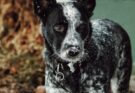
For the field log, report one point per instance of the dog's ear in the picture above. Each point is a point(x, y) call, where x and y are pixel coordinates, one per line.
point(89, 4)
point(42, 7)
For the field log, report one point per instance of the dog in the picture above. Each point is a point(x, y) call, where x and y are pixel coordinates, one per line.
point(83, 55)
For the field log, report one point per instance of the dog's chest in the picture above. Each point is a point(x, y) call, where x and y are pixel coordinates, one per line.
point(71, 80)
point(84, 77)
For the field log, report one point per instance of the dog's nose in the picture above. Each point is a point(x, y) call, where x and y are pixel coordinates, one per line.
point(73, 51)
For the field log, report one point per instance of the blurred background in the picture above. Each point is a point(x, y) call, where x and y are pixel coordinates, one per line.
point(21, 45)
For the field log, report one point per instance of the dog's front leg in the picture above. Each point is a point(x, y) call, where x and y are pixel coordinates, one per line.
point(55, 90)
point(51, 87)
point(97, 89)
point(96, 84)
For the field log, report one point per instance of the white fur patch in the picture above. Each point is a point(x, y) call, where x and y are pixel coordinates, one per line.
point(55, 90)
point(64, 1)
point(73, 17)
point(71, 66)
point(71, 13)
point(114, 85)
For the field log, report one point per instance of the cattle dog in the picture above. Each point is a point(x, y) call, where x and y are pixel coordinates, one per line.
point(82, 55)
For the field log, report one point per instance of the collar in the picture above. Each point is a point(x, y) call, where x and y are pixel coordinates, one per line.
point(61, 67)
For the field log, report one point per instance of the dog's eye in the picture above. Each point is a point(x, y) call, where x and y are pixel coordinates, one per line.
point(59, 28)
point(83, 30)
point(82, 27)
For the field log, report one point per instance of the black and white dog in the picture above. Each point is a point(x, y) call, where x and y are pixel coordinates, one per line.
point(83, 56)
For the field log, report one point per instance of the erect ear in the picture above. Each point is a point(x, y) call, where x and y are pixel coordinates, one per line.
point(43, 7)
point(89, 4)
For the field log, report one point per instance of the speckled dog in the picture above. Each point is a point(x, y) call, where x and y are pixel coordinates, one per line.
point(83, 56)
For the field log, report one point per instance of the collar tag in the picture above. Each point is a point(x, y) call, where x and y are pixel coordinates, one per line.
point(59, 75)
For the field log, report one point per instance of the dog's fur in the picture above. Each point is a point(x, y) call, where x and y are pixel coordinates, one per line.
point(83, 56)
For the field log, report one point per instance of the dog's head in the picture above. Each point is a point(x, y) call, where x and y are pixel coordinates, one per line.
point(65, 25)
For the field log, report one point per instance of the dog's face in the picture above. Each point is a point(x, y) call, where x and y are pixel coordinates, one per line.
point(65, 26)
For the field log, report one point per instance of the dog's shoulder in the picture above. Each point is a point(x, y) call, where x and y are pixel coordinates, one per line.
point(104, 26)
point(107, 35)
point(103, 30)
point(108, 28)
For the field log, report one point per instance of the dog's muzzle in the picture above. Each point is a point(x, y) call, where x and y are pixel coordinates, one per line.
point(73, 51)
point(72, 54)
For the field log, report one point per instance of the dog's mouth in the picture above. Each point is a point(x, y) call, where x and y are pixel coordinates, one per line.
point(72, 55)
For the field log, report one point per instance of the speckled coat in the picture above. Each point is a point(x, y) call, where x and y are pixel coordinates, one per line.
point(107, 63)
